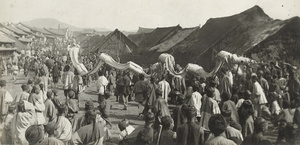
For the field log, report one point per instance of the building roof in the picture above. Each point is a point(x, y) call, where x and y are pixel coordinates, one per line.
point(88, 31)
point(59, 32)
point(21, 27)
point(5, 39)
point(12, 28)
point(7, 49)
point(26, 40)
point(8, 32)
point(35, 29)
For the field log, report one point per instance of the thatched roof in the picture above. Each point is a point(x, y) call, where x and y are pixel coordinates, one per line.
point(5, 39)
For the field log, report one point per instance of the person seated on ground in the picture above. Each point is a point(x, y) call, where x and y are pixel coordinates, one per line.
point(24, 95)
point(190, 132)
point(35, 136)
point(50, 112)
point(246, 117)
point(286, 133)
point(275, 108)
point(73, 106)
point(146, 135)
point(83, 120)
point(126, 129)
point(285, 113)
point(227, 104)
point(167, 136)
point(92, 133)
point(258, 138)
point(217, 125)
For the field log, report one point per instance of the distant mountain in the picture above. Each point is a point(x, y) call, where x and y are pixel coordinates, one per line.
point(53, 23)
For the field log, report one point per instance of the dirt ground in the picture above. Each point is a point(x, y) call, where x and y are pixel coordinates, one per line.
point(115, 110)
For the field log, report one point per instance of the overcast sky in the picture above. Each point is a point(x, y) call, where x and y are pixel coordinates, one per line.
point(130, 14)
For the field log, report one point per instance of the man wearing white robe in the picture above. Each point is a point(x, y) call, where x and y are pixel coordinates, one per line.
point(258, 98)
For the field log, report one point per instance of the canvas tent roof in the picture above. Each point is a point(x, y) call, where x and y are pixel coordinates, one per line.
point(145, 30)
point(159, 35)
point(236, 34)
point(121, 38)
point(168, 44)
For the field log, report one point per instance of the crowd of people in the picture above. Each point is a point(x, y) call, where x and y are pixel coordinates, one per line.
point(225, 109)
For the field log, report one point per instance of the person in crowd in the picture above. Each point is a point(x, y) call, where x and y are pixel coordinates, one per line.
point(24, 95)
point(178, 113)
point(218, 125)
point(35, 136)
point(190, 133)
point(263, 82)
point(55, 100)
point(225, 82)
point(124, 88)
point(146, 135)
point(258, 96)
point(112, 83)
point(126, 129)
point(257, 137)
point(82, 121)
point(55, 73)
point(227, 115)
point(244, 95)
point(227, 104)
point(26, 65)
point(209, 107)
point(15, 71)
point(217, 95)
point(92, 133)
point(44, 75)
point(140, 90)
point(246, 117)
point(63, 127)
point(73, 107)
point(167, 136)
point(152, 87)
point(67, 80)
point(77, 84)
point(50, 112)
point(38, 103)
point(24, 118)
point(165, 87)
point(195, 101)
point(6, 136)
point(160, 105)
